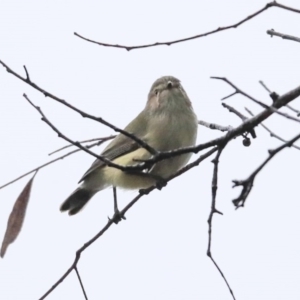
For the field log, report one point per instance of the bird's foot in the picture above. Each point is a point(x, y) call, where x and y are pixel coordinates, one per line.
point(117, 217)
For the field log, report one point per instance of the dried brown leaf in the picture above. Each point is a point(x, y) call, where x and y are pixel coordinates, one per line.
point(16, 217)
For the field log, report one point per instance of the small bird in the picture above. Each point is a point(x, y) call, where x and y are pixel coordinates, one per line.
point(167, 122)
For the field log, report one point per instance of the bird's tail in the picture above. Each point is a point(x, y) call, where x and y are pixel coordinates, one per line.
point(77, 200)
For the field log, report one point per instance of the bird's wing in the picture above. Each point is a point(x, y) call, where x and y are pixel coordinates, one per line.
point(121, 144)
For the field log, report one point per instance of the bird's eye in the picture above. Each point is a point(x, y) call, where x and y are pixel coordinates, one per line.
point(156, 92)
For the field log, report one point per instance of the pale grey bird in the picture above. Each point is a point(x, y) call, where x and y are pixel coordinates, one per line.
point(167, 122)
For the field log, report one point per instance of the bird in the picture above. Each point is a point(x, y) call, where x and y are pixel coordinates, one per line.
point(167, 122)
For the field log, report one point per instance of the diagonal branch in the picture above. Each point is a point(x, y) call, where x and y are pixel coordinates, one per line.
point(272, 134)
point(244, 127)
point(81, 284)
point(215, 126)
point(113, 220)
point(294, 110)
point(101, 139)
point(49, 163)
point(77, 144)
point(234, 111)
point(273, 108)
point(213, 210)
point(219, 29)
point(272, 32)
point(231, 109)
point(247, 184)
point(82, 113)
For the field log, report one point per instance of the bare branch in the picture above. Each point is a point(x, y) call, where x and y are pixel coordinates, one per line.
point(294, 110)
point(246, 140)
point(213, 210)
point(80, 282)
point(122, 213)
point(27, 74)
point(233, 110)
point(272, 32)
point(246, 126)
point(101, 139)
point(272, 134)
point(230, 95)
point(274, 96)
point(219, 29)
point(77, 144)
point(247, 184)
point(265, 87)
point(273, 108)
point(82, 113)
point(48, 163)
point(215, 126)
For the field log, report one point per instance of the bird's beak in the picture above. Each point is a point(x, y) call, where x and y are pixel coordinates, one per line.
point(170, 84)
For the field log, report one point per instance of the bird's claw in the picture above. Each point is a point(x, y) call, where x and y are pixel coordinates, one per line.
point(117, 217)
point(161, 183)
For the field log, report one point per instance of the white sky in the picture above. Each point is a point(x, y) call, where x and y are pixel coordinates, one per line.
point(160, 251)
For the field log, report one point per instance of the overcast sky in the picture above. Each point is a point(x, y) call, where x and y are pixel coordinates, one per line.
point(159, 252)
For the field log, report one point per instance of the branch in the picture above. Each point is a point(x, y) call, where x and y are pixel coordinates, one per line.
point(101, 139)
point(215, 126)
point(247, 184)
point(272, 32)
point(82, 113)
point(274, 96)
point(273, 108)
point(244, 127)
point(213, 210)
point(219, 29)
point(246, 141)
point(272, 134)
point(77, 144)
point(294, 110)
point(48, 163)
point(81, 284)
point(122, 213)
point(233, 110)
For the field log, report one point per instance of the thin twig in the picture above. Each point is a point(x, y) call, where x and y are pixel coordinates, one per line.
point(247, 184)
point(213, 210)
point(273, 108)
point(77, 144)
point(101, 139)
point(274, 96)
point(27, 74)
point(243, 118)
point(294, 110)
point(236, 112)
point(264, 86)
point(244, 127)
point(215, 126)
point(82, 113)
point(272, 134)
point(47, 164)
point(219, 29)
point(272, 32)
point(81, 284)
point(122, 213)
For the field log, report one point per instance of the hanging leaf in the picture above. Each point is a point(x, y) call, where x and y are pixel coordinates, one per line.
point(16, 218)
